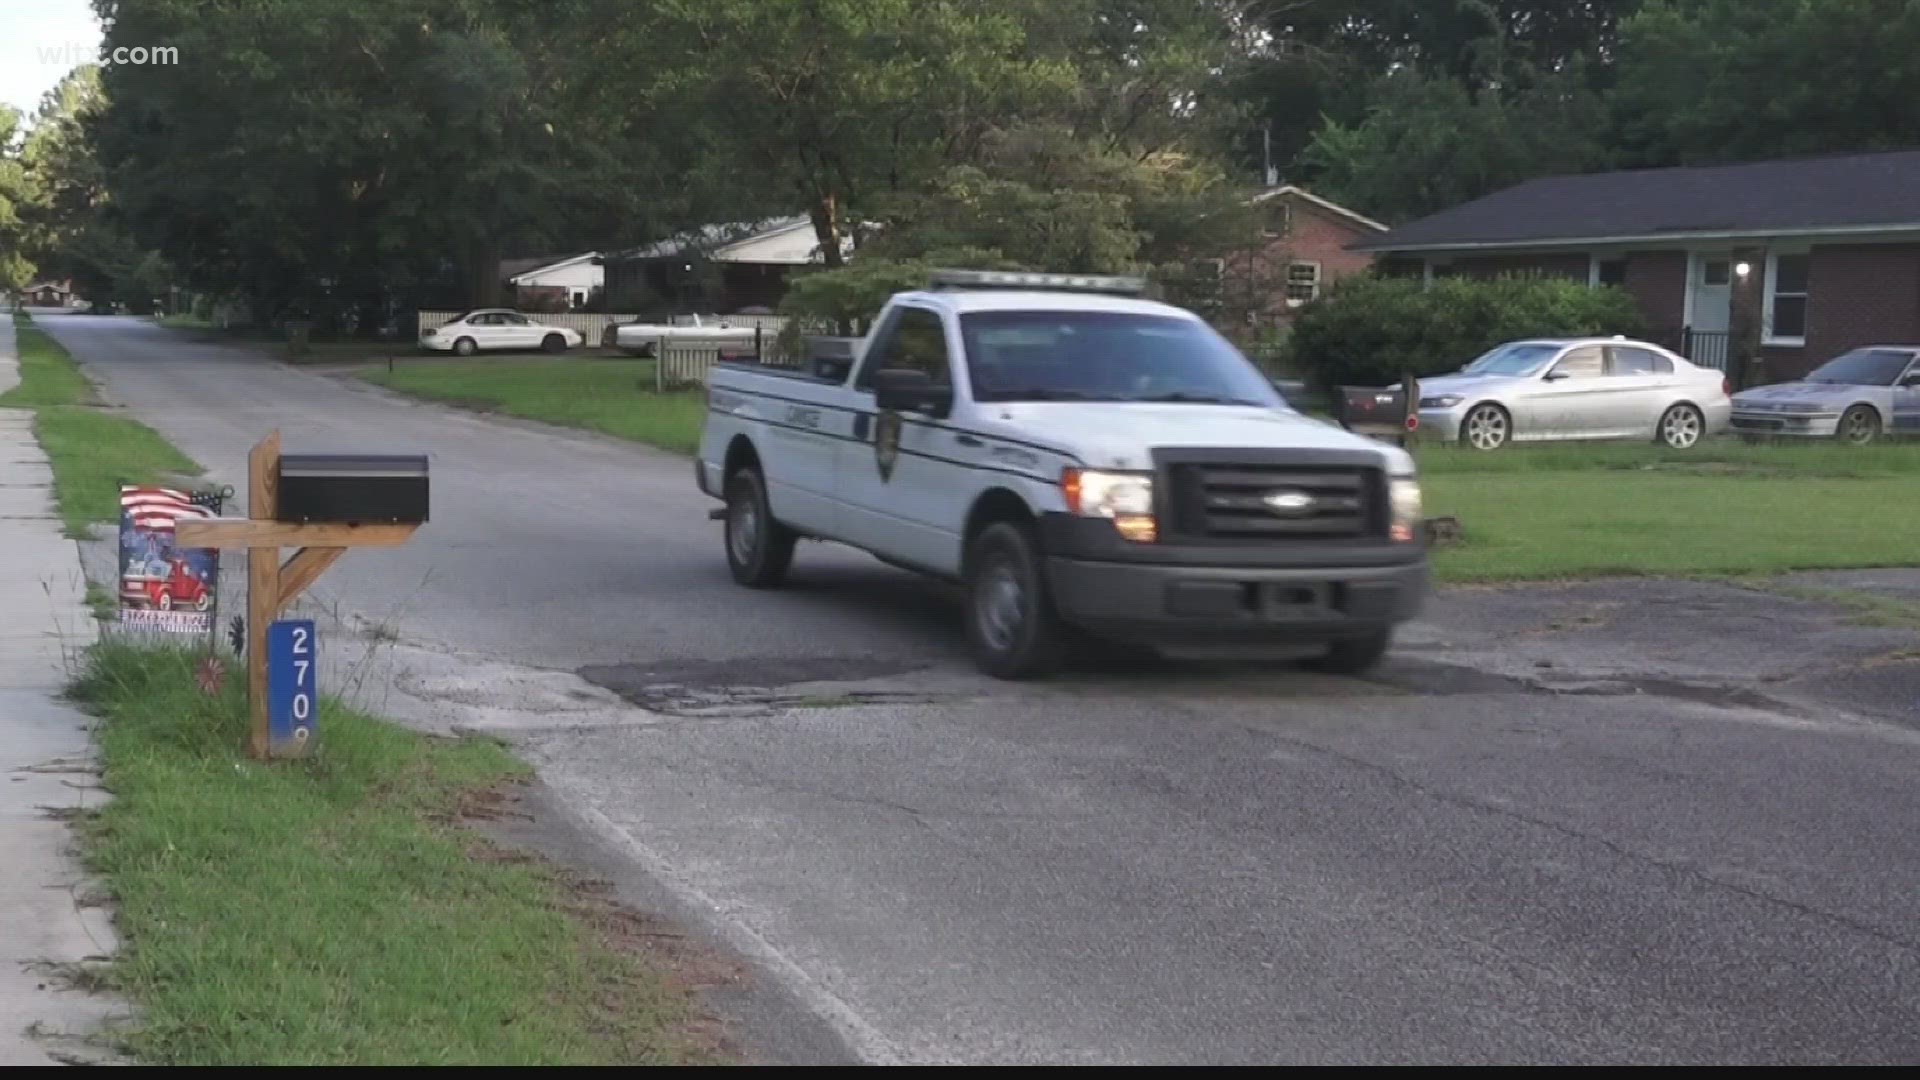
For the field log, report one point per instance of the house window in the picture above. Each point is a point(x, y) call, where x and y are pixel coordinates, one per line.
point(1279, 219)
point(1716, 272)
point(1609, 272)
point(1303, 282)
point(1787, 299)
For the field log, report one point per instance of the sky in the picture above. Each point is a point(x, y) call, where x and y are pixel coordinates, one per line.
point(40, 41)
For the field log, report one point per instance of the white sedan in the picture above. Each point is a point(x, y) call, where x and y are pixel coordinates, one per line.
point(497, 328)
point(1575, 388)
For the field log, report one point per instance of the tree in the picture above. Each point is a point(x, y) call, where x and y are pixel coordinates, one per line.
point(1705, 81)
point(360, 145)
point(1324, 62)
point(828, 104)
point(1428, 142)
point(17, 195)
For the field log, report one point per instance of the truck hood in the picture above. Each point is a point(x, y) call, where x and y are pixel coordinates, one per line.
point(1120, 435)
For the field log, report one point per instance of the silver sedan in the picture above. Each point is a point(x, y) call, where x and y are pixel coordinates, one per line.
point(1575, 388)
point(1855, 397)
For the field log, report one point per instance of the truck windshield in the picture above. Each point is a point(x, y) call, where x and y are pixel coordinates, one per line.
point(1106, 356)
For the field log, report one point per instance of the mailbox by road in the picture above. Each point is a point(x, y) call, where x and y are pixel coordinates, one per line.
point(360, 489)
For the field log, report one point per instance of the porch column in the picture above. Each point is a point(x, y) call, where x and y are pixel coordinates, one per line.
point(1745, 366)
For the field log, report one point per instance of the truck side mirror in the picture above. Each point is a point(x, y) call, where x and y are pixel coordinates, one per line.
point(907, 390)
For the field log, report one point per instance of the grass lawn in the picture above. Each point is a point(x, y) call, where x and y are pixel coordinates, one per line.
point(611, 396)
point(1529, 512)
point(1573, 510)
point(332, 911)
point(93, 450)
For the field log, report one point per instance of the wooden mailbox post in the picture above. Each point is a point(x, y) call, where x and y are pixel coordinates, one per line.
point(271, 584)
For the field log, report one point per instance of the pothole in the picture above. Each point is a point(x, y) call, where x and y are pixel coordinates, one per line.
point(759, 686)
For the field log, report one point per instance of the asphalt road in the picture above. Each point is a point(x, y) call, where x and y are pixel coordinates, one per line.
point(1177, 865)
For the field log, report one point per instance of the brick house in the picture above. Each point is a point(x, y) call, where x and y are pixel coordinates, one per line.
point(1764, 270)
point(1306, 244)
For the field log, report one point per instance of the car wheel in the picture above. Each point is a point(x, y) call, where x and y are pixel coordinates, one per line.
point(165, 602)
point(759, 549)
point(1859, 426)
point(1012, 629)
point(1681, 427)
point(203, 601)
point(554, 343)
point(1487, 427)
point(1352, 656)
point(465, 347)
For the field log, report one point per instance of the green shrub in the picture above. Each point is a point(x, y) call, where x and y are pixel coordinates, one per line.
point(1371, 331)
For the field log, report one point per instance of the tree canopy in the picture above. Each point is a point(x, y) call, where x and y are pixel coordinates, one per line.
point(402, 147)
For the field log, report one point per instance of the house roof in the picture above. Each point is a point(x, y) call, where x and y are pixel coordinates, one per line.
point(1852, 193)
point(1334, 208)
point(786, 241)
point(510, 268)
point(515, 269)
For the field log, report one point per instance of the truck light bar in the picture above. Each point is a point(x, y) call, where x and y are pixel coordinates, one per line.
point(1020, 279)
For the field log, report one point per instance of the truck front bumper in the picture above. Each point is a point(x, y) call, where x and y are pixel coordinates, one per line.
point(1211, 596)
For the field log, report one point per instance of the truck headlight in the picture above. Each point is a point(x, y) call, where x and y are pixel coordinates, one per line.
point(1403, 492)
point(1125, 498)
point(1440, 401)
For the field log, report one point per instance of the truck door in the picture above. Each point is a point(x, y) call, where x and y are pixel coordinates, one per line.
point(900, 486)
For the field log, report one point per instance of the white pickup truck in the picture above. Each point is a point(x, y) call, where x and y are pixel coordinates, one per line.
point(1083, 462)
point(642, 339)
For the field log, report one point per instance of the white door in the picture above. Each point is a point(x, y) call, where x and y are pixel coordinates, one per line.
point(901, 487)
point(1639, 379)
point(1712, 293)
point(520, 332)
point(486, 330)
point(1906, 401)
point(1562, 401)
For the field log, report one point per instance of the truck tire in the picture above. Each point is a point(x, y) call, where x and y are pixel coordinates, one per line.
point(1013, 631)
point(1353, 656)
point(759, 549)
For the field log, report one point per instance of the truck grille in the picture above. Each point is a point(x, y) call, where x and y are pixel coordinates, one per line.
point(1263, 502)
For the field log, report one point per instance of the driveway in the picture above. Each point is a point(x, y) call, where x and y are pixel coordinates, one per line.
point(1579, 826)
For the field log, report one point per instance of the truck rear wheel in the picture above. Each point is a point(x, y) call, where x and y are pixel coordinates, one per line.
point(759, 549)
point(1012, 628)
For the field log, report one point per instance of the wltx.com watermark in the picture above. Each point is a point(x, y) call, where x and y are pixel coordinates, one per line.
point(74, 53)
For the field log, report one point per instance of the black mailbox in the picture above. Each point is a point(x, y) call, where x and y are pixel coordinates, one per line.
point(358, 489)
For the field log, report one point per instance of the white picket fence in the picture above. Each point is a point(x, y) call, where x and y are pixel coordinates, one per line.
point(593, 326)
point(683, 366)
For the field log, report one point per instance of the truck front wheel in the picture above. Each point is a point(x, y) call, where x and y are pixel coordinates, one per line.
point(759, 549)
point(1012, 628)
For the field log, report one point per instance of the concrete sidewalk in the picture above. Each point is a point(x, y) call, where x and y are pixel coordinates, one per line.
point(48, 924)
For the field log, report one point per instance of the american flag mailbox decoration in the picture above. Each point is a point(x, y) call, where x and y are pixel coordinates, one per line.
point(164, 586)
point(322, 505)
